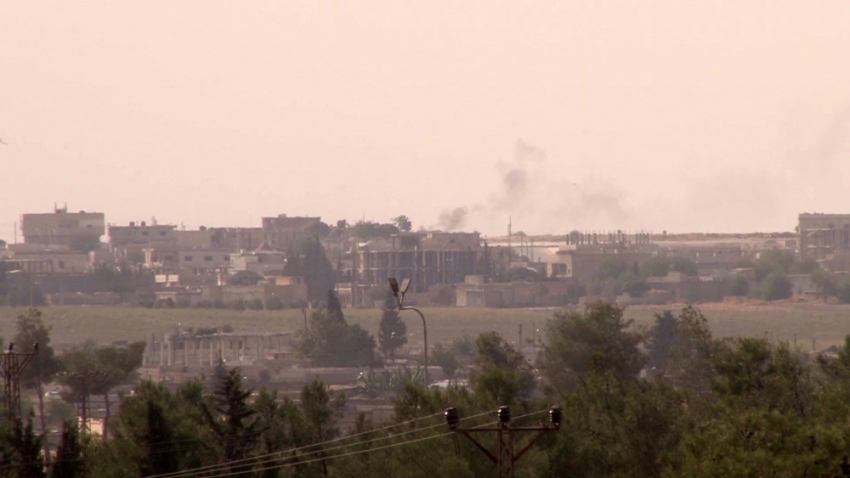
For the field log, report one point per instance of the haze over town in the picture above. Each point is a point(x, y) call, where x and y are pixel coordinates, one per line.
point(677, 116)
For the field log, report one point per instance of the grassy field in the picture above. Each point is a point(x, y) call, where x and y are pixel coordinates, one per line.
point(803, 322)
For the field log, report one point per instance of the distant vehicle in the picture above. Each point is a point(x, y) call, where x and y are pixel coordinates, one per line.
point(53, 394)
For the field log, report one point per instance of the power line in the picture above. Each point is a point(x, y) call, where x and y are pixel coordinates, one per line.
point(408, 442)
point(271, 457)
point(306, 447)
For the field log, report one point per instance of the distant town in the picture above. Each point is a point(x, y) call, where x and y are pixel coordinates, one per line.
point(79, 258)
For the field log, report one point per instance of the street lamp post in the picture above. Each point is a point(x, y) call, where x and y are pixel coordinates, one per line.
point(398, 293)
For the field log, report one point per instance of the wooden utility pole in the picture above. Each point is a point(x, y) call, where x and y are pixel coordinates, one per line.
point(505, 456)
point(12, 367)
point(83, 405)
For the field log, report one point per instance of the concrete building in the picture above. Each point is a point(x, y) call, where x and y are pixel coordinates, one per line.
point(580, 261)
point(475, 292)
point(52, 259)
point(78, 230)
point(208, 350)
point(821, 236)
point(711, 258)
point(262, 260)
point(427, 258)
point(140, 242)
point(202, 260)
point(282, 231)
point(288, 290)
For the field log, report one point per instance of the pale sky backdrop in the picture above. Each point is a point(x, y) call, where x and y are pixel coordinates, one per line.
point(656, 115)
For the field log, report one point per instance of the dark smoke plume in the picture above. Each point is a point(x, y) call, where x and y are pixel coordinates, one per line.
point(452, 219)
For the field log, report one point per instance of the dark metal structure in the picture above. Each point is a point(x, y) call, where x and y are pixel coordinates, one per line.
point(13, 365)
point(505, 455)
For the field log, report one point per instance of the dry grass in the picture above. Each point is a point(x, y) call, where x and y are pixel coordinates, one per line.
point(803, 322)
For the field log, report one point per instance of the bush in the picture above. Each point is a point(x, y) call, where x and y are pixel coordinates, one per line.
point(255, 304)
point(238, 305)
point(274, 304)
point(739, 286)
point(441, 295)
point(775, 286)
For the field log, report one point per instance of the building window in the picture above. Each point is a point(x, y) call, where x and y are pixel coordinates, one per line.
point(187, 258)
point(208, 258)
point(226, 258)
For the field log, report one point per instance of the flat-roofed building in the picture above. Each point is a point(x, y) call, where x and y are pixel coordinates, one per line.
point(79, 230)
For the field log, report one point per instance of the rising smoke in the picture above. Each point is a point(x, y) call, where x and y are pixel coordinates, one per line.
point(453, 219)
point(529, 193)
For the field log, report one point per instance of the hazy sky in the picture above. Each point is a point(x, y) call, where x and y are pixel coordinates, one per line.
point(677, 115)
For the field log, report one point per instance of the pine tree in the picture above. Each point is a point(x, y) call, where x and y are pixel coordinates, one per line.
point(233, 421)
point(69, 454)
point(334, 308)
point(392, 333)
point(159, 442)
point(307, 259)
point(27, 459)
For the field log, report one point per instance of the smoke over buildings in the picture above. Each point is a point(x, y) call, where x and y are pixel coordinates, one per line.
point(452, 219)
point(528, 192)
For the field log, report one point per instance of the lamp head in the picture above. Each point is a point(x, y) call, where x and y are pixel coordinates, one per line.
point(451, 418)
point(405, 283)
point(394, 286)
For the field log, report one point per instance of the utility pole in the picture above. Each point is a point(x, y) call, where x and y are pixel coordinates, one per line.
point(13, 365)
point(505, 456)
point(83, 406)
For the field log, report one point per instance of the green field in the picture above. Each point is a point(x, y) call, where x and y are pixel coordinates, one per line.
point(803, 322)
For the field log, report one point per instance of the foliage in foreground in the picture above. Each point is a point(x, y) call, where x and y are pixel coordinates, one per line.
point(700, 407)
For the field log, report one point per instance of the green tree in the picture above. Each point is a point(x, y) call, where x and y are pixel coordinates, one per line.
point(441, 295)
point(403, 223)
point(307, 259)
point(245, 278)
point(158, 431)
point(610, 268)
point(739, 286)
point(614, 427)
point(692, 352)
point(826, 283)
point(775, 261)
point(501, 375)
point(445, 359)
point(392, 330)
point(657, 266)
point(684, 265)
point(331, 341)
point(116, 364)
point(369, 229)
point(322, 409)
point(775, 286)
point(19, 288)
point(660, 340)
point(234, 423)
point(70, 460)
point(597, 340)
point(26, 456)
point(31, 330)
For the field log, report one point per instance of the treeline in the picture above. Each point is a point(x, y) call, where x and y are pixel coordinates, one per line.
point(670, 401)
